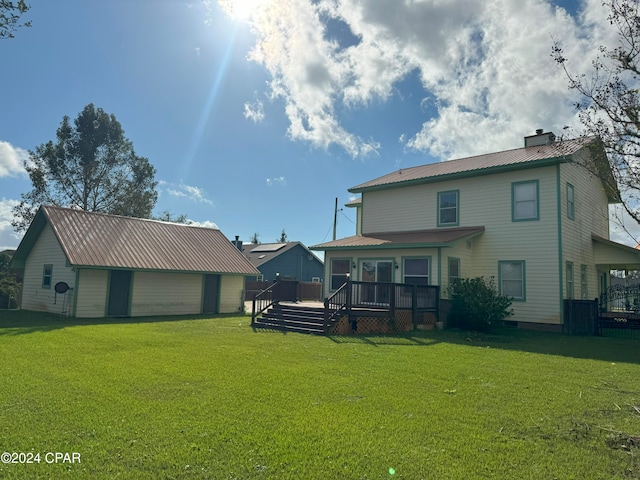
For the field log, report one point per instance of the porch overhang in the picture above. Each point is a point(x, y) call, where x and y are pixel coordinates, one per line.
point(436, 238)
point(614, 255)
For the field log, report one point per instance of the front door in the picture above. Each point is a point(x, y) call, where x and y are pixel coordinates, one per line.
point(119, 289)
point(210, 294)
point(379, 271)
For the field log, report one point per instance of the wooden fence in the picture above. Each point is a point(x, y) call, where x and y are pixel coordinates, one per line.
point(581, 317)
point(304, 291)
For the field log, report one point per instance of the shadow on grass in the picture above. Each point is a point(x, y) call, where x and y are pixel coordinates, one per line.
point(22, 322)
point(595, 348)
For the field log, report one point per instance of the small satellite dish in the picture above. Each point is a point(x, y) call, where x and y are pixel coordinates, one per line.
point(61, 287)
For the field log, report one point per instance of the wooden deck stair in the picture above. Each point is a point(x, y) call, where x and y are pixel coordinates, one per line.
point(292, 318)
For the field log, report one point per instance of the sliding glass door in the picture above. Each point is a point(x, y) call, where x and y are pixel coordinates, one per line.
point(380, 271)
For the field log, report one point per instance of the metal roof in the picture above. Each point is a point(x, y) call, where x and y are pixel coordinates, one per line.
point(420, 238)
point(488, 163)
point(109, 241)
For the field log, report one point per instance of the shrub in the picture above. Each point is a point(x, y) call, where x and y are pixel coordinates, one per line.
point(476, 304)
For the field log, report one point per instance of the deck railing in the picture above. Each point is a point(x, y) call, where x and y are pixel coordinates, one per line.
point(263, 300)
point(382, 297)
point(335, 304)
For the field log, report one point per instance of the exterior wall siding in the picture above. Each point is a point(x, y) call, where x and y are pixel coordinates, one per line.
point(483, 201)
point(166, 293)
point(487, 201)
point(47, 251)
point(231, 298)
point(590, 216)
point(91, 293)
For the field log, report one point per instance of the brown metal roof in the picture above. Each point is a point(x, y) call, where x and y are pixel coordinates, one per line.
point(420, 238)
point(109, 241)
point(517, 158)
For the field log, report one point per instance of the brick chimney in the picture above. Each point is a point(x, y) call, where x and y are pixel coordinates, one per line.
point(539, 138)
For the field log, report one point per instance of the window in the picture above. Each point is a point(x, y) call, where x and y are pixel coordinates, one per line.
point(525, 201)
point(416, 271)
point(569, 280)
point(448, 208)
point(47, 274)
point(571, 206)
point(454, 269)
point(511, 279)
point(339, 271)
point(584, 290)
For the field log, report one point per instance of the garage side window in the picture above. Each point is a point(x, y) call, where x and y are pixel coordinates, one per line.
point(47, 274)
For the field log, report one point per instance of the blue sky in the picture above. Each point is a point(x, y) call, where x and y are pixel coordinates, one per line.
point(257, 114)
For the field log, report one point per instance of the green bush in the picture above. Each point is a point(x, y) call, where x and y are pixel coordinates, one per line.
point(476, 304)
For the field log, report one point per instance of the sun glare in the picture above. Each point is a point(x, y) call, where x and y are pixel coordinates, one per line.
point(241, 10)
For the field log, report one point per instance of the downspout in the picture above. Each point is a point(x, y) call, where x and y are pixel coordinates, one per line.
point(75, 293)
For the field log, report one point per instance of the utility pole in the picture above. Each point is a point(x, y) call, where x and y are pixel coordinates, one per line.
point(335, 219)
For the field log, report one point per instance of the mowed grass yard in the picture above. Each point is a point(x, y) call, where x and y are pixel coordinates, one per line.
point(182, 398)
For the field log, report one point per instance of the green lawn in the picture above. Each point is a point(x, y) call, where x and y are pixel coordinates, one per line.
point(209, 398)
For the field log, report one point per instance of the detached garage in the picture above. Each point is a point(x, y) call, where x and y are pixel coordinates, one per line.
point(87, 264)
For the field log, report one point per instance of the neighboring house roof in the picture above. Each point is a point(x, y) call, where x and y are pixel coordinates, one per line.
point(109, 241)
point(421, 238)
point(261, 253)
point(516, 159)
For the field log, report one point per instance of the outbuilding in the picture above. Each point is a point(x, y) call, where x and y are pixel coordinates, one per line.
point(87, 264)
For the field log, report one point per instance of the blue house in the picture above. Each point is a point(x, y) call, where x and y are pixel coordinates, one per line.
point(289, 260)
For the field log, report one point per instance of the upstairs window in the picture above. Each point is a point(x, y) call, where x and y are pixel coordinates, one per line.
point(448, 208)
point(571, 206)
point(525, 201)
point(47, 274)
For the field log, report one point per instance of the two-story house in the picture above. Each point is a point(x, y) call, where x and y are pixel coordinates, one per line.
point(535, 219)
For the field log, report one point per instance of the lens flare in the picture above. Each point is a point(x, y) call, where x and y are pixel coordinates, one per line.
point(242, 10)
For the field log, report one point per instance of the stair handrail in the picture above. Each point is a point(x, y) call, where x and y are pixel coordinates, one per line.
point(263, 300)
point(338, 302)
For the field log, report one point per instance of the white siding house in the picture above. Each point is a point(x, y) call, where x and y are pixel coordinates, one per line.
point(95, 265)
point(535, 219)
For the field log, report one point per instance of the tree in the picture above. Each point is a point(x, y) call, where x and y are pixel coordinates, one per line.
point(254, 238)
point(283, 237)
point(609, 105)
point(166, 216)
point(91, 166)
point(9, 286)
point(10, 14)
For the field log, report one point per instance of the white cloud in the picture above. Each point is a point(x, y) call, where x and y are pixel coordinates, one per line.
point(485, 65)
point(8, 238)
point(254, 111)
point(12, 160)
point(276, 181)
point(206, 224)
point(195, 194)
